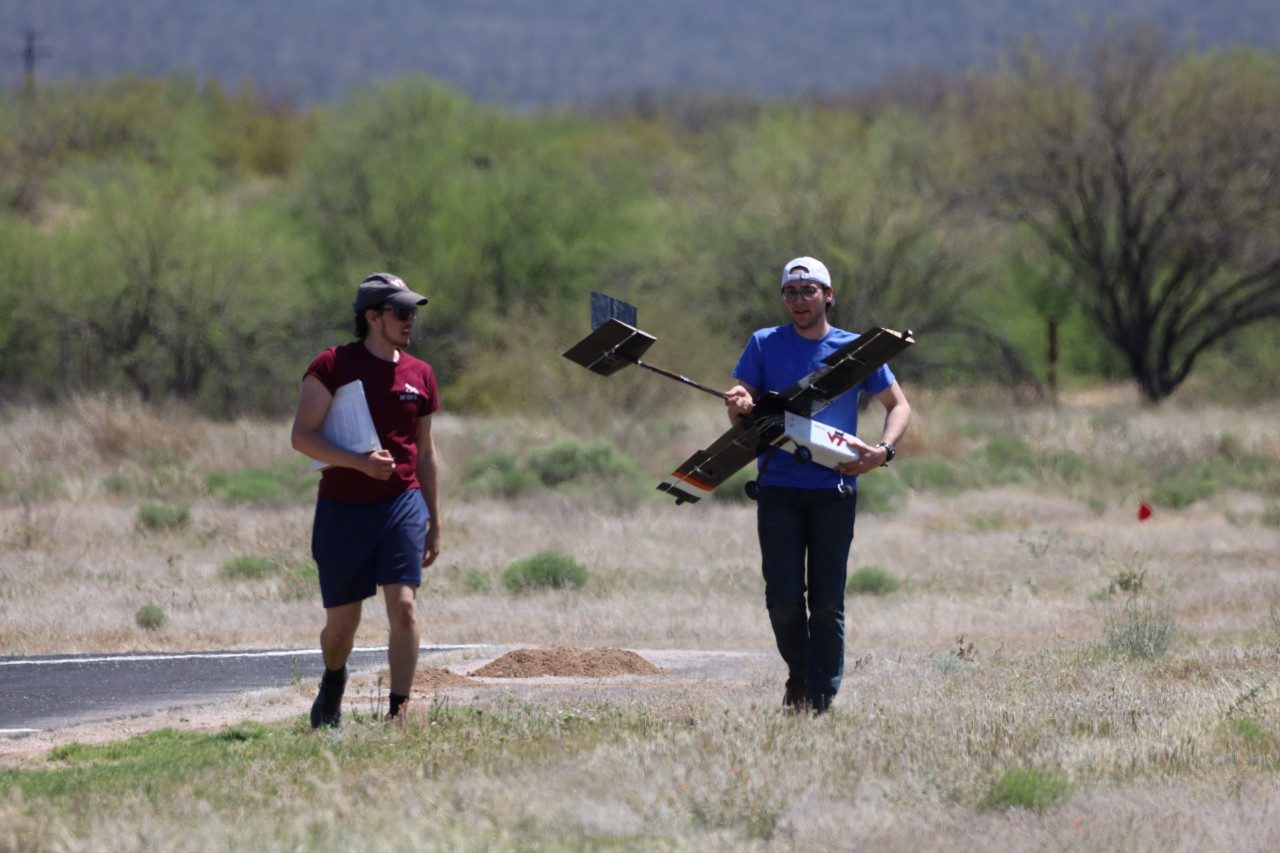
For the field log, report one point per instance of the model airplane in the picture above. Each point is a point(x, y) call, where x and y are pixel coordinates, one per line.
point(778, 419)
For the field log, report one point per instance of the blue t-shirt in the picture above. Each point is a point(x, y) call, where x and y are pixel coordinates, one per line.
point(773, 360)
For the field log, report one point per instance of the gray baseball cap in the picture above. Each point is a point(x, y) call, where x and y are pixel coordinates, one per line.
point(380, 287)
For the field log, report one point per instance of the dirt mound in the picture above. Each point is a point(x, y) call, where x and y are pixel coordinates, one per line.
point(595, 663)
point(433, 679)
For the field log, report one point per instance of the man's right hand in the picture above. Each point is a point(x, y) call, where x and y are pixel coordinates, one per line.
point(379, 465)
point(739, 402)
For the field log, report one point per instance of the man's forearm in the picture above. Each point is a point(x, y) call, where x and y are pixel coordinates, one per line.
point(895, 424)
point(429, 481)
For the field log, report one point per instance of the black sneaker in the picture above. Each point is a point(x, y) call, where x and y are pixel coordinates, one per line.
point(793, 696)
point(327, 709)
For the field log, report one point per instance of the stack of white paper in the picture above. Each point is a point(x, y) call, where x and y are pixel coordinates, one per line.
point(348, 423)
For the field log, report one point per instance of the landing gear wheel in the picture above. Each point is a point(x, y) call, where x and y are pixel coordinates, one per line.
point(752, 488)
point(804, 454)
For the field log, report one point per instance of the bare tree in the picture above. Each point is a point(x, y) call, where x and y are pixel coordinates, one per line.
point(1156, 178)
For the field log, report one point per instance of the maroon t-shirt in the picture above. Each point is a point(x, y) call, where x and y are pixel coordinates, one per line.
point(398, 393)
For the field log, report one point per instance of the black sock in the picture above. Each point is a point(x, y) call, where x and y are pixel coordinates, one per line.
point(336, 678)
point(396, 701)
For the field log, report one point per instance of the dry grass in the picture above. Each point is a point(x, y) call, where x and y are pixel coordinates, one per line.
point(990, 657)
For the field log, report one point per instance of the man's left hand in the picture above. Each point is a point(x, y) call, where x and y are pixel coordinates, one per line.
point(868, 457)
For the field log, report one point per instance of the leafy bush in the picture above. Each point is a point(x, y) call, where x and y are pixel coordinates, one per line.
point(544, 570)
point(871, 580)
point(287, 483)
point(150, 617)
point(881, 491)
point(497, 475)
point(159, 517)
point(565, 461)
point(247, 567)
point(1026, 788)
point(1140, 630)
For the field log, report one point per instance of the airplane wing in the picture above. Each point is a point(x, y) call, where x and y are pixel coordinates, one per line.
point(846, 367)
point(699, 475)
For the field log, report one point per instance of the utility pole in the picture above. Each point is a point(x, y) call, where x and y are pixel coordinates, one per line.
point(30, 53)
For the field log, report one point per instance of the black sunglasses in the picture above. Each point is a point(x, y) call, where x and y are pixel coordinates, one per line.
point(402, 312)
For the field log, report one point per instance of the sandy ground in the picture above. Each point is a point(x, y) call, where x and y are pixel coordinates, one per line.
point(449, 677)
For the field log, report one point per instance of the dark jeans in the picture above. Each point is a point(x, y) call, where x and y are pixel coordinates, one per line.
point(817, 524)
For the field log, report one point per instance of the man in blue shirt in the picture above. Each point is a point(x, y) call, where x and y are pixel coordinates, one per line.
point(805, 522)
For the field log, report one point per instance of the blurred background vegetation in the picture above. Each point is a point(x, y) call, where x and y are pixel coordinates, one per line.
point(170, 239)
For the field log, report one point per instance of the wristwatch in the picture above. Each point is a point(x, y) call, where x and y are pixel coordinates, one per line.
point(890, 450)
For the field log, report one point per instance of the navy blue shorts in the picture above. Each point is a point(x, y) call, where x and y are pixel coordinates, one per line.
point(361, 546)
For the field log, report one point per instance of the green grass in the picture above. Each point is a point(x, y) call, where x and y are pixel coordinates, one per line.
point(248, 567)
point(299, 581)
point(871, 580)
point(930, 474)
point(881, 491)
point(476, 582)
point(167, 763)
point(1026, 788)
point(290, 482)
point(155, 517)
point(544, 570)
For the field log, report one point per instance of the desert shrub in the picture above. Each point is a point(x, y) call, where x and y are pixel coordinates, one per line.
point(156, 517)
point(1247, 730)
point(1010, 459)
point(565, 461)
point(881, 491)
point(1141, 630)
point(1271, 515)
point(871, 580)
point(1179, 489)
point(37, 489)
point(544, 570)
point(1026, 788)
point(497, 475)
point(929, 474)
point(247, 567)
point(287, 483)
point(1068, 465)
point(150, 617)
point(1127, 579)
point(475, 581)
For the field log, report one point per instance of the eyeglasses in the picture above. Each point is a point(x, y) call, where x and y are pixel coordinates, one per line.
point(791, 294)
point(402, 313)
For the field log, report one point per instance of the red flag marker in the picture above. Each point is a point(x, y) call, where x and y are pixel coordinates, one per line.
point(1144, 511)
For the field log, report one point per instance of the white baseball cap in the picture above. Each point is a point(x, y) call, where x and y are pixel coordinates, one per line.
point(806, 269)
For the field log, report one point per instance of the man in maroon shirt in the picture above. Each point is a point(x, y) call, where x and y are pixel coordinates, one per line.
point(377, 517)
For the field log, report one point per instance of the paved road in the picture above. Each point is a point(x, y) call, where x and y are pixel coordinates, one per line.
point(42, 693)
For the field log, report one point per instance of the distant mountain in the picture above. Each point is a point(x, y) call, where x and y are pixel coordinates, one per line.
point(542, 52)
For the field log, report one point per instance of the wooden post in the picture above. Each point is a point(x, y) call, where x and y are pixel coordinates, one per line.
point(1053, 360)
